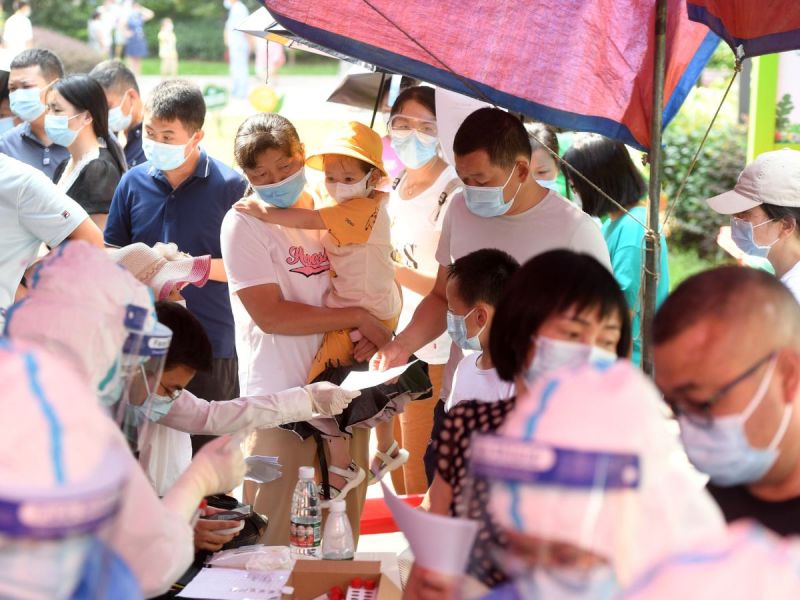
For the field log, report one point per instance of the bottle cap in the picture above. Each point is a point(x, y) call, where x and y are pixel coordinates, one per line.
point(306, 472)
point(369, 584)
point(337, 506)
point(356, 583)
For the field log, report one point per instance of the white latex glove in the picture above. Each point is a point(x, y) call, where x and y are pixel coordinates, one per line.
point(218, 467)
point(328, 399)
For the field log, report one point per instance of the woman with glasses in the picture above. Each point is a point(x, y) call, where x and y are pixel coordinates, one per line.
point(417, 204)
point(77, 118)
point(559, 309)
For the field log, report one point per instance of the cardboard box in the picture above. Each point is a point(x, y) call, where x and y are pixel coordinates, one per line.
point(312, 578)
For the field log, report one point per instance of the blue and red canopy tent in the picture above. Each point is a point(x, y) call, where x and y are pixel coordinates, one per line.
point(599, 66)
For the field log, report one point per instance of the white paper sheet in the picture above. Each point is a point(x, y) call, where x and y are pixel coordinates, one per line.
point(439, 543)
point(236, 584)
point(361, 380)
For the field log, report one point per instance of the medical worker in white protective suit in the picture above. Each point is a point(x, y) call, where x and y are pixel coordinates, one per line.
point(591, 485)
point(86, 308)
point(165, 446)
point(63, 471)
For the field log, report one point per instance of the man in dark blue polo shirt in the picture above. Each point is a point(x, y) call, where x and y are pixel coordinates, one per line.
point(125, 107)
point(31, 72)
point(181, 195)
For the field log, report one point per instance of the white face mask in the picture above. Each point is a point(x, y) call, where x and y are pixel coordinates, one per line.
point(342, 192)
point(552, 354)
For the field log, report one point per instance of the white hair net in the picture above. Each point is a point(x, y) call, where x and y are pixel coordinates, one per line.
point(611, 409)
point(77, 305)
point(56, 433)
point(61, 475)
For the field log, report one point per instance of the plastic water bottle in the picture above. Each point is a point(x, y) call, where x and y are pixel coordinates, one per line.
point(306, 519)
point(337, 542)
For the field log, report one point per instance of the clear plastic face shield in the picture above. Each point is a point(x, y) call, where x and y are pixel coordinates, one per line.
point(140, 368)
point(559, 530)
point(53, 542)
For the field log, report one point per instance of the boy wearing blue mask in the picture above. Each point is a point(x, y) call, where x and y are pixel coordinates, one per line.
point(30, 76)
point(180, 195)
point(475, 283)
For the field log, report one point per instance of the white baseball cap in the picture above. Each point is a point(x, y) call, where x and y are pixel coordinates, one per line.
point(772, 178)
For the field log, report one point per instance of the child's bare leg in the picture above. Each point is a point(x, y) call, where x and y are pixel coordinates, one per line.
point(384, 431)
point(387, 446)
point(339, 457)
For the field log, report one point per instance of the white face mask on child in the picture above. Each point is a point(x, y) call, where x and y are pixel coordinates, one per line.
point(342, 192)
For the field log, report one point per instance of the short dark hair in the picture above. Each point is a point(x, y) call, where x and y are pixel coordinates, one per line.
point(544, 286)
point(190, 346)
point(779, 213)
point(500, 134)
point(18, 4)
point(608, 165)
point(114, 76)
point(423, 94)
point(262, 132)
point(481, 276)
point(51, 66)
point(178, 100)
point(725, 294)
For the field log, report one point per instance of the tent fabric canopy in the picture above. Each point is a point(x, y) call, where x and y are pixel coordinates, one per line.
point(758, 27)
point(578, 65)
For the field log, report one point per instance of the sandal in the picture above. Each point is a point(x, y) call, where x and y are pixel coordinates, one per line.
point(388, 462)
point(353, 474)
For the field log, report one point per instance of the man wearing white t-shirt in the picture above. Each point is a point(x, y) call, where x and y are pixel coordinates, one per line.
point(475, 283)
point(502, 207)
point(32, 212)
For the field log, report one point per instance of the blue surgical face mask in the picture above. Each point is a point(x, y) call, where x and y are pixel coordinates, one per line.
point(283, 194)
point(56, 127)
point(457, 328)
point(156, 408)
point(552, 354)
point(722, 451)
point(414, 148)
point(742, 233)
point(550, 184)
point(26, 103)
point(165, 157)
point(6, 124)
point(488, 202)
point(117, 121)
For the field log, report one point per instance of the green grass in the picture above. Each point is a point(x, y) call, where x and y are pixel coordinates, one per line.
point(683, 264)
point(186, 68)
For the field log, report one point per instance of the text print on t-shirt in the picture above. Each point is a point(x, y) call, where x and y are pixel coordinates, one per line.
point(309, 264)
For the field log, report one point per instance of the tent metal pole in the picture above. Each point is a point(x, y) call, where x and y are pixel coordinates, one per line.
point(652, 242)
point(378, 99)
